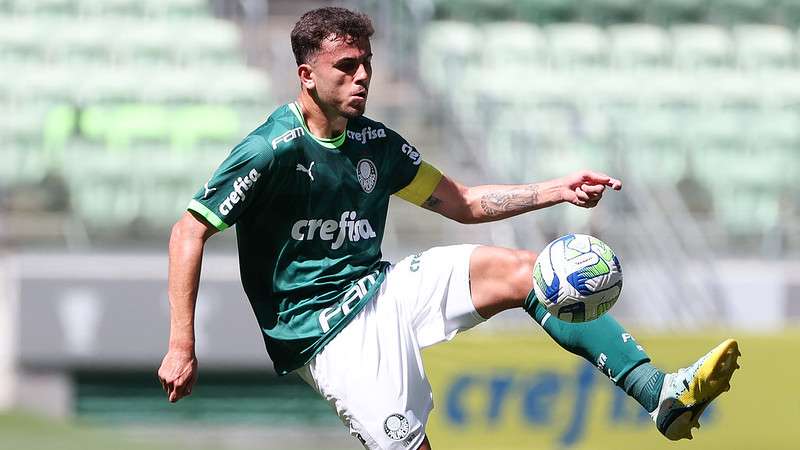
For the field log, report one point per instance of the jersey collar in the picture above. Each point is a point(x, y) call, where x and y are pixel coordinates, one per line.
point(335, 142)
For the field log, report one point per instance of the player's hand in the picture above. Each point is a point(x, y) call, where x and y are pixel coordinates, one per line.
point(585, 188)
point(177, 374)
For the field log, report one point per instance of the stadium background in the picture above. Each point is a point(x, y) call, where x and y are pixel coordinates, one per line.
point(115, 111)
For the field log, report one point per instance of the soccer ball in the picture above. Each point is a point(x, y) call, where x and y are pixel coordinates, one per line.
point(577, 278)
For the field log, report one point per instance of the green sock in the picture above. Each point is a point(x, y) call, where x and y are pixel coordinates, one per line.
point(643, 383)
point(603, 342)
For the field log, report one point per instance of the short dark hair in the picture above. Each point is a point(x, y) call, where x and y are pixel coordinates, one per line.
point(319, 24)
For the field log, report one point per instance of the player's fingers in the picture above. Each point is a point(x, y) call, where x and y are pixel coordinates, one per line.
point(581, 195)
point(614, 184)
point(595, 177)
point(593, 189)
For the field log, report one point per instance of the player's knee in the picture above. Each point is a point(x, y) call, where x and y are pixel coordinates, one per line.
point(522, 276)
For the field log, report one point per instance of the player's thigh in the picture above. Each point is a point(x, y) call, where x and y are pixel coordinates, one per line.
point(372, 375)
point(500, 278)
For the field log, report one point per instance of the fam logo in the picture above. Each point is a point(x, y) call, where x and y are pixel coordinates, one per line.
point(287, 137)
point(367, 175)
point(367, 134)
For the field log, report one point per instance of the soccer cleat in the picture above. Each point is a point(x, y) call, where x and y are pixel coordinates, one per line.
point(687, 392)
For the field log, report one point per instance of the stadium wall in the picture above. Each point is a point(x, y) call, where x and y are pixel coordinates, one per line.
point(62, 315)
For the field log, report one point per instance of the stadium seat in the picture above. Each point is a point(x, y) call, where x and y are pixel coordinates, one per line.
point(112, 8)
point(80, 43)
point(759, 46)
point(731, 12)
point(545, 11)
point(507, 44)
point(124, 125)
point(145, 43)
point(447, 48)
point(239, 86)
point(44, 7)
point(177, 8)
point(701, 46)
point(192, 125)
point(639, 45)
point(576, 45)
point(207, 42)
point(666, 12)
point(608, 11)
point(21, 40)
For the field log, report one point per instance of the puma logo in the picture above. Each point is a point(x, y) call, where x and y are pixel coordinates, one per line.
point(301, 168)
point(208, 190)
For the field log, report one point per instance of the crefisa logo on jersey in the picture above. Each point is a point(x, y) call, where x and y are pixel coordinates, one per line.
point(240, 186)
point(349, 227)
point(367, 175)
point(367, 134)
point(396, 427)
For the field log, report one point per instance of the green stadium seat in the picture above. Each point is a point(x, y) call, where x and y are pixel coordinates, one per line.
point(779, 89)
point(21, 40)
point(787, 13)
point(144, 43)
point(107, 199)
point(178, 8)
point(447, 48)
point(110, 86)
point(773, 128)
point(237, 86)
point(59, 125)
point(759, 46)
point(471, 10)
point(44, 7)
point(639, 45)
point(546, 11)
point(667, 12)
point(508, 44)
point(112, 8)
point(46, 84)
point(193, 125)
point(747, 210)
point(701, 46)
point(120, 127)
point(80, 43)
point(577, 45)
point(207, 41)
point(731, 12)
point(609, 11)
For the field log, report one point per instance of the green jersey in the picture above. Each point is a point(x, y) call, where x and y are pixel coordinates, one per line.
point(310, 215)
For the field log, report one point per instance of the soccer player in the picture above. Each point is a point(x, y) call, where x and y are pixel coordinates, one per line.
point(309, 191)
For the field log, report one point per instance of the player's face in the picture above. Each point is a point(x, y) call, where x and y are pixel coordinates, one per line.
point(341, 72)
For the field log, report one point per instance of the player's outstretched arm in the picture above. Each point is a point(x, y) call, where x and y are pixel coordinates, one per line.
point(178, 370)
point(488, 203)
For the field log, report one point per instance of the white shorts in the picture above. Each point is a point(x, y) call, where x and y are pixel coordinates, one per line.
point(372, 372)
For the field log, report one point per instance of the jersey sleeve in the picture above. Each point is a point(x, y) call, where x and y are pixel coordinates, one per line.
point(413, 179)
point(422, 186)
point(235, 183)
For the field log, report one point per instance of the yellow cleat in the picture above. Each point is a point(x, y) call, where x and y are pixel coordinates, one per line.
point(687, 392)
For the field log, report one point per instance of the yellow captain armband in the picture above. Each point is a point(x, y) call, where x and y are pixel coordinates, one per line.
point(422, 186)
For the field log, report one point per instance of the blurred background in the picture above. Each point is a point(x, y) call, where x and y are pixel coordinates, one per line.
point(114, 112)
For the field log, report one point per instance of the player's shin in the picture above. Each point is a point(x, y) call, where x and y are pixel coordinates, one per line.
point(604, 343)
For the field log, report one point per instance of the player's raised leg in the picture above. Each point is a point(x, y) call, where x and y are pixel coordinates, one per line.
point(502, 278)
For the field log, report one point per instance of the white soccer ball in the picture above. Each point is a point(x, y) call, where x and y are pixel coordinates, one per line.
point(577, 278)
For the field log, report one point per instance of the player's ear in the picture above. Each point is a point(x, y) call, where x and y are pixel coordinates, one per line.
point(304, 73)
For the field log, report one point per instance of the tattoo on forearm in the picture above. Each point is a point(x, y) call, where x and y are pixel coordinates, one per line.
point(511, 200)
point(431, 202)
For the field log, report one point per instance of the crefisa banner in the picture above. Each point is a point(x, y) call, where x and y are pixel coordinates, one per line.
point(521, 392)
